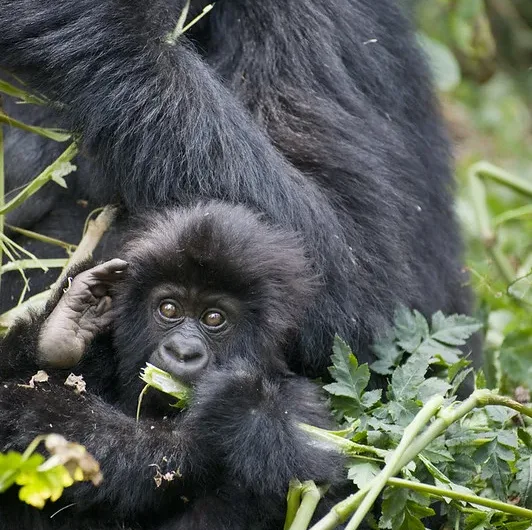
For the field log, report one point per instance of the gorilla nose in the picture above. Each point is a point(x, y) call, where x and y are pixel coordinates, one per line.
point(184, 358)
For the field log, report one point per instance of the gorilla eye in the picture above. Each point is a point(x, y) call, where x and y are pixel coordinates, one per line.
point(169, 310)
point(213, 318)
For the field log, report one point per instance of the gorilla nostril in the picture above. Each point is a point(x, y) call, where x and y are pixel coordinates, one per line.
point(188, 355)
point(184, 353)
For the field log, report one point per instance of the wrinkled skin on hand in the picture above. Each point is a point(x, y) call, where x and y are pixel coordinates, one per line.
point(84, 311)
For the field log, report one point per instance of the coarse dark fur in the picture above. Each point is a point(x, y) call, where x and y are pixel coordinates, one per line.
point(318, 114)
point(237, 445)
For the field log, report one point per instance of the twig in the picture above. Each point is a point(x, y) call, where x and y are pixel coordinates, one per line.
point(95, 230)
point(69, 247)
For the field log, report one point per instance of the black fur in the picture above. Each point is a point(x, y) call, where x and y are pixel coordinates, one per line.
point(237, 445)
point(318, 114)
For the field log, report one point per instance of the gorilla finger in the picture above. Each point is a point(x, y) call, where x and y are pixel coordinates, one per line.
point(110, 269)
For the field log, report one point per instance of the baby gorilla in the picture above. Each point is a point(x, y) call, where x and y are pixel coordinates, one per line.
point(212, 295)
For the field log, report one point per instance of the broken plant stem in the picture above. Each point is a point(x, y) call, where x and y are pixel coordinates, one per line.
point(95, 230)
point(293, 501)
point(310, 497)
point(345, 446)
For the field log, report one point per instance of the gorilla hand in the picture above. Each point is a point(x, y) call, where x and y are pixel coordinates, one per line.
point(83, 311)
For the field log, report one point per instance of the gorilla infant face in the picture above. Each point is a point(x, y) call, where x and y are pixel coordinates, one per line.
point(193, 326)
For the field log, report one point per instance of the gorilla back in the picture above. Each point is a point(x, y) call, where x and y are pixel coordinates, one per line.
point(318, 114)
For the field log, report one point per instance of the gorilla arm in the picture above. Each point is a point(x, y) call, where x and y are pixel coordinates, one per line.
point(60, 335)
point(241, 430)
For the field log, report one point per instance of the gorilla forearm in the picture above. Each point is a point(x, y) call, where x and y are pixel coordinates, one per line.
point(252, 419)
point(128, 452)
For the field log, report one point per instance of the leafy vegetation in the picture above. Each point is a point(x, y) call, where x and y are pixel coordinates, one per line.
point(42, 479)
point(413, 443)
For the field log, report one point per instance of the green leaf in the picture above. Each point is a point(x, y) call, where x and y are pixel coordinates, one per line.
point(515, 357)
point(524, 480)
point(521, 289)
point(12, 463)
point(431, 387)
point(410, 328)
point(444, 66)
point(407, 379)
point(453, 330)
point(361, 472)
point(351, 380)
point(39, 486)
point(477, 521)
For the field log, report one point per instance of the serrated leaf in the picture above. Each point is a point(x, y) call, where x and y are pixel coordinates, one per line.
point(524, 481)
point(39, 486)
point(371, 397)
point(407, 378)
point(387, 352)
point(434, 349)
point(393, 506)
point(431, 387)
point(410, 328)
point(515, 357)
point(453, 330)
point(477, 521)
point(351, 379)
point(361, 472)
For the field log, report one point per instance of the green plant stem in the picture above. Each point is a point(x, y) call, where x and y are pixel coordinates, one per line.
point(38, 182)
point(486, 170)
point(510, 215)
point(394, 464)
point(139, 402)
point(12, 90)
point(44, 264)
point(486, 397)
point(293, 501)
point(181, 28)
point(459, 496)
point(346, 446)
point(69, 247)
point(57, 135)
point(310, 496)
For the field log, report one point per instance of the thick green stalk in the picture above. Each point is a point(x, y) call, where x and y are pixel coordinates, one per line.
point(461, 496)
point(310, 496)
point(395, 462)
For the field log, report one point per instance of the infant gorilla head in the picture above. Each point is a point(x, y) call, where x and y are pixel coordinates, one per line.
point(198, 288)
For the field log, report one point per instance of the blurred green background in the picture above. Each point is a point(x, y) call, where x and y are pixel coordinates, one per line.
point(481, 54)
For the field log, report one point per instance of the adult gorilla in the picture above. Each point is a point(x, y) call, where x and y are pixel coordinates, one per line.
point(319, 114)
